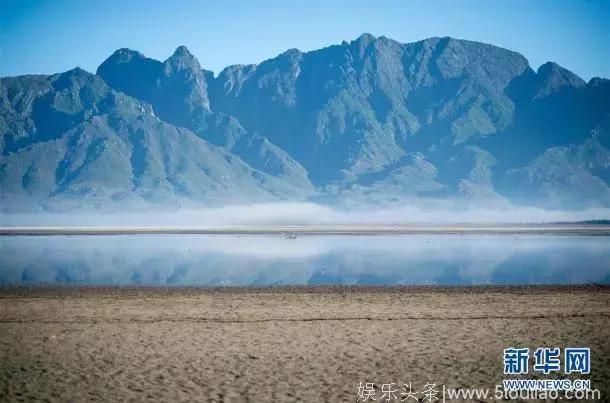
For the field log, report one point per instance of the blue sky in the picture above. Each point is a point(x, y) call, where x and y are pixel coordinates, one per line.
point(52, 36)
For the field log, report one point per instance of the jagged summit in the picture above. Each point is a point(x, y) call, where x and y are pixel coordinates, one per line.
point(76, 72)
point(556, 76)
point(125, 55)
point(182, 51)
point(364, 39)
point(183, 58)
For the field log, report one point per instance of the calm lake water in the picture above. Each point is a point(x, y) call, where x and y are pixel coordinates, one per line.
point(269, 260)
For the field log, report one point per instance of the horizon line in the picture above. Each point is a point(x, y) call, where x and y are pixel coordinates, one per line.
point(291, 231)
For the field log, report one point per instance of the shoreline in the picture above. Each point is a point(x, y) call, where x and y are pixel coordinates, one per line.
point(59, 290)
point(319, 230)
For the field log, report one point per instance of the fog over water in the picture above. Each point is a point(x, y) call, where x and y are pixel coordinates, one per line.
point(267, 260)
point(303, 214)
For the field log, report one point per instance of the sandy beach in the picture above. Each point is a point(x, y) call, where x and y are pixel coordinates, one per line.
point(281, 344)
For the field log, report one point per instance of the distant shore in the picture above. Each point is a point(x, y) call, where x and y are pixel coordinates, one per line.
point(68, 290)
point(295, 230)
point(282, 343)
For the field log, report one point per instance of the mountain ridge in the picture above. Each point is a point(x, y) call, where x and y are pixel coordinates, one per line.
point(373, 120)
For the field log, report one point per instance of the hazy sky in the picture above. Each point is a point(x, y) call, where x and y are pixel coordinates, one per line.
point(53, 36)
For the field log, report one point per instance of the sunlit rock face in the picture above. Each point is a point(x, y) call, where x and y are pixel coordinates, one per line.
point(371, 121)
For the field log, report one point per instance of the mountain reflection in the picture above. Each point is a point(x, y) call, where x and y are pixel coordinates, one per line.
point(268, 260)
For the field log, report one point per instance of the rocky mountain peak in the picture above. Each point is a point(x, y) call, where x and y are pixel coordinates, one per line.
point(183, 87)
point(182, 59)
point(553, 77)
point(364, 39)
point(124, 55)
point(176, 88)
point(182, 51)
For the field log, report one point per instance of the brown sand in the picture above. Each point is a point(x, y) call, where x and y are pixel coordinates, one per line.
point(284, 344)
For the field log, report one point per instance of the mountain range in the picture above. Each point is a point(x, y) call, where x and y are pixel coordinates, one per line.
point(371, 121)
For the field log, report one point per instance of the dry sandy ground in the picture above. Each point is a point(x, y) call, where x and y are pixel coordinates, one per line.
point(284, 344)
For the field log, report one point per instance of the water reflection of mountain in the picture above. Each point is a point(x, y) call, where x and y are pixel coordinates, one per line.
point(256, 261)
